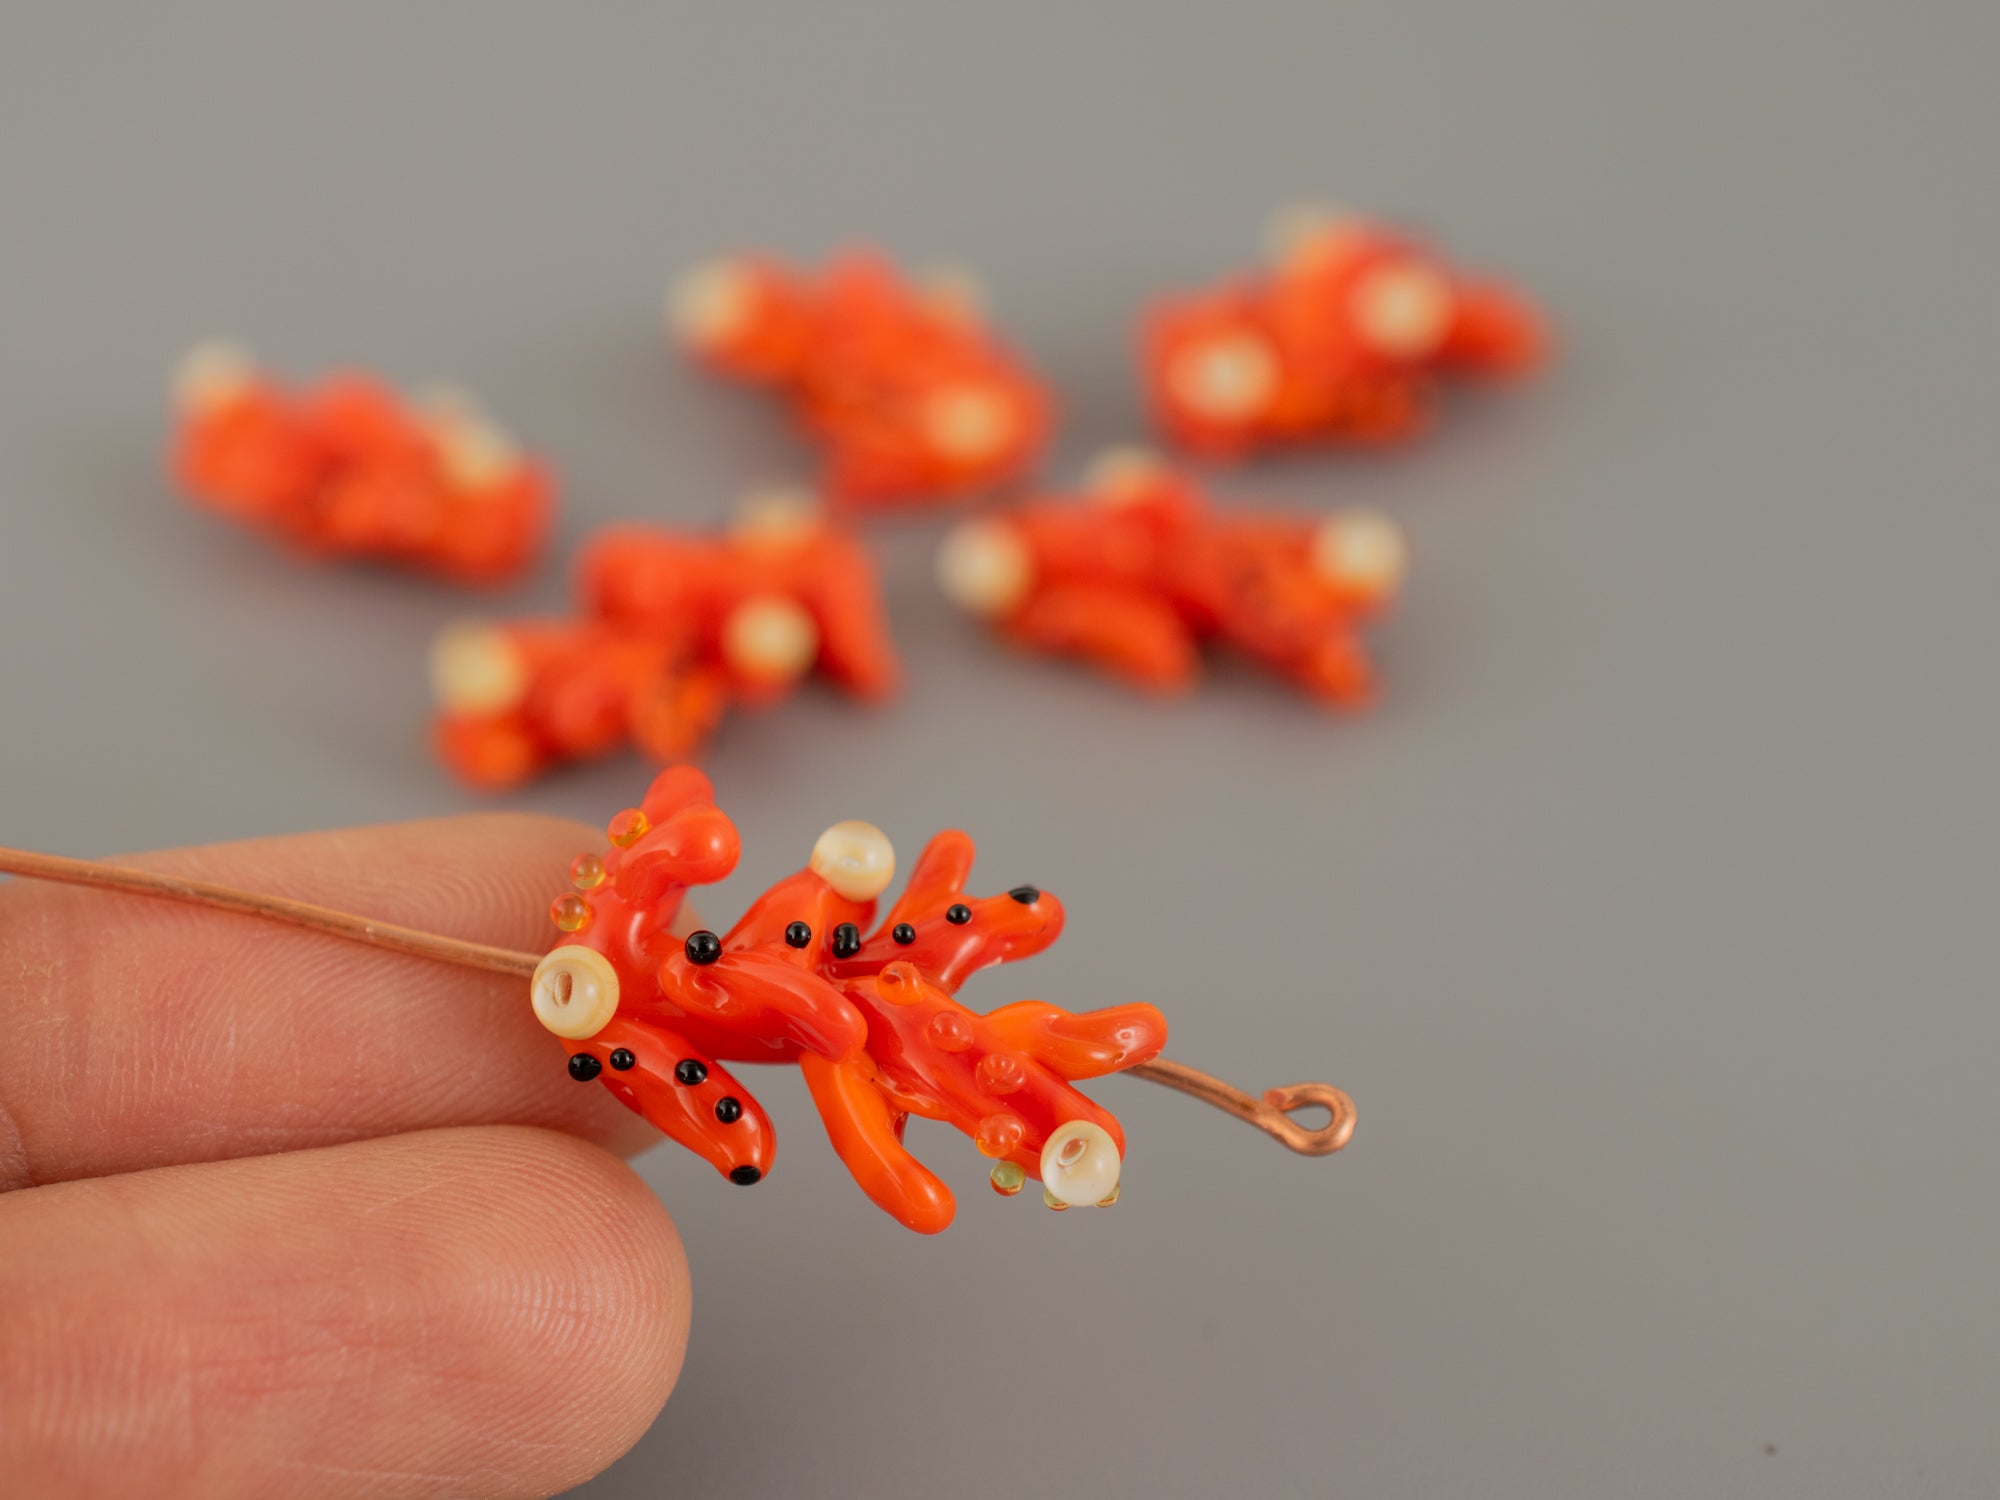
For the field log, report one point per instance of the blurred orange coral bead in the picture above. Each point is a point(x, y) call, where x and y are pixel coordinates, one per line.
point(1342, 337)
point(913, 399)
point(347, 468)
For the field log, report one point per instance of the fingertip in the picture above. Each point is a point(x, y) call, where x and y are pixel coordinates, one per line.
point(489, 1311)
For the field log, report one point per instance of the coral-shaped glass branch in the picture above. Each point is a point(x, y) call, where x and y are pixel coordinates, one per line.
point(911, 396)
point(1137, 571)
point(870, 1017)
point(675, 628)
point(1343, 337)
point(347, 468)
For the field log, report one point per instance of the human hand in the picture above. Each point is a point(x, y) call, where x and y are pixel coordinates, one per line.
point(282, 1214)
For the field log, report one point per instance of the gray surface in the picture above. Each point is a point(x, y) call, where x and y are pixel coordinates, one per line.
point(1650, 921)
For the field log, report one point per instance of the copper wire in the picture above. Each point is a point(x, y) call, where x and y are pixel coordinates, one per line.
point(1272, 1114)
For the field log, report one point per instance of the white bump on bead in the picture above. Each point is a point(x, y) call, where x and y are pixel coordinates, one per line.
point(442, 402)
point(476, 669)
point(856, 859)
point(574, 991)
point(770, 639)
point(1402, 310)
point(476, 452)
point(969, 423)
point(477, 455)
point(212, 374)
point(1229, 378)
point(957, 291)
point(984, 567)
point(710, 304)
point(1117, 474)
point(777, 514)
point(1080, 1164)
point(1300, 229)
point(1361, 551)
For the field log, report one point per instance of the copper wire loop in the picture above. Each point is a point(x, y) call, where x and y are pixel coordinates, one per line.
point(1272, 1114)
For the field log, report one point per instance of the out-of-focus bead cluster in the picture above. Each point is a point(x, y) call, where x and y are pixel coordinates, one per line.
point(347, 468)
point(1346, 335)
point(1138, 570)
point(673, 629)
point(1343, 337)
point(903, 385)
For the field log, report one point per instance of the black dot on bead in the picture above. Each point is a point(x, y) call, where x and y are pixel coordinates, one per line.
point(1027, 895)
point(622, 1058)
point(745, 1176)
point(583, 1067)
point(703, 947)
point(846, 940)
point(729, 1109)
point(903, 933)
point(958, 915)
point(798, 935)
point(690, 1071)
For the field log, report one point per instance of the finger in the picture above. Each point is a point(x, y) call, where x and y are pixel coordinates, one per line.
point(136, 1032)
point(471, 1312)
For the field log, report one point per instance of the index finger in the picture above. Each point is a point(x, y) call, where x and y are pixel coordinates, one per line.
point(138, 1033)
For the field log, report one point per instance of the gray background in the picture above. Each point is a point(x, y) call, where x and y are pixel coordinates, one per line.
point(1650, 921)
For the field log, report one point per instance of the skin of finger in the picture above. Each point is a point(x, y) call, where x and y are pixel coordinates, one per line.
point(137, 1032)
point(492, 1311)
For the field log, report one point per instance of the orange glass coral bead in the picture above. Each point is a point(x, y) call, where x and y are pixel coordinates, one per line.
point(346, 468)
point(911, 396)
point(1343, 337)
point(676, 627)
point(870, 1017)
point(1137, 571)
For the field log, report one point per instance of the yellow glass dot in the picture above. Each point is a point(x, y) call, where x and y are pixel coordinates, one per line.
point(1107, 1202)
point(1008, 1178)
point(586, 872)
point(570, 912)
point(1053, 1201)
point(628, 827)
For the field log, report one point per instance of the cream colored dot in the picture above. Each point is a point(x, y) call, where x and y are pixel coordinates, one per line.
point(442, 402)
point(1363, 552)
point(1402, 310)
point(969, 423)
point(957, 291)
point(984, 567)
point(770, 639)
point(856, 859)
point(477, 455)
point(1080, 1164)
point(778, 514)
point(1228, 379)
point(574, 991)
point(476, 669)
point(1299, 230)
point(711, 304)
point(1119, 474)
point(211, 375)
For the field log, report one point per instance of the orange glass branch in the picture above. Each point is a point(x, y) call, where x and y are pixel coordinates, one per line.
point(1344, 336)
point(348, 468)
point(674, 629)
point(1140, 569)
point(912, 398)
